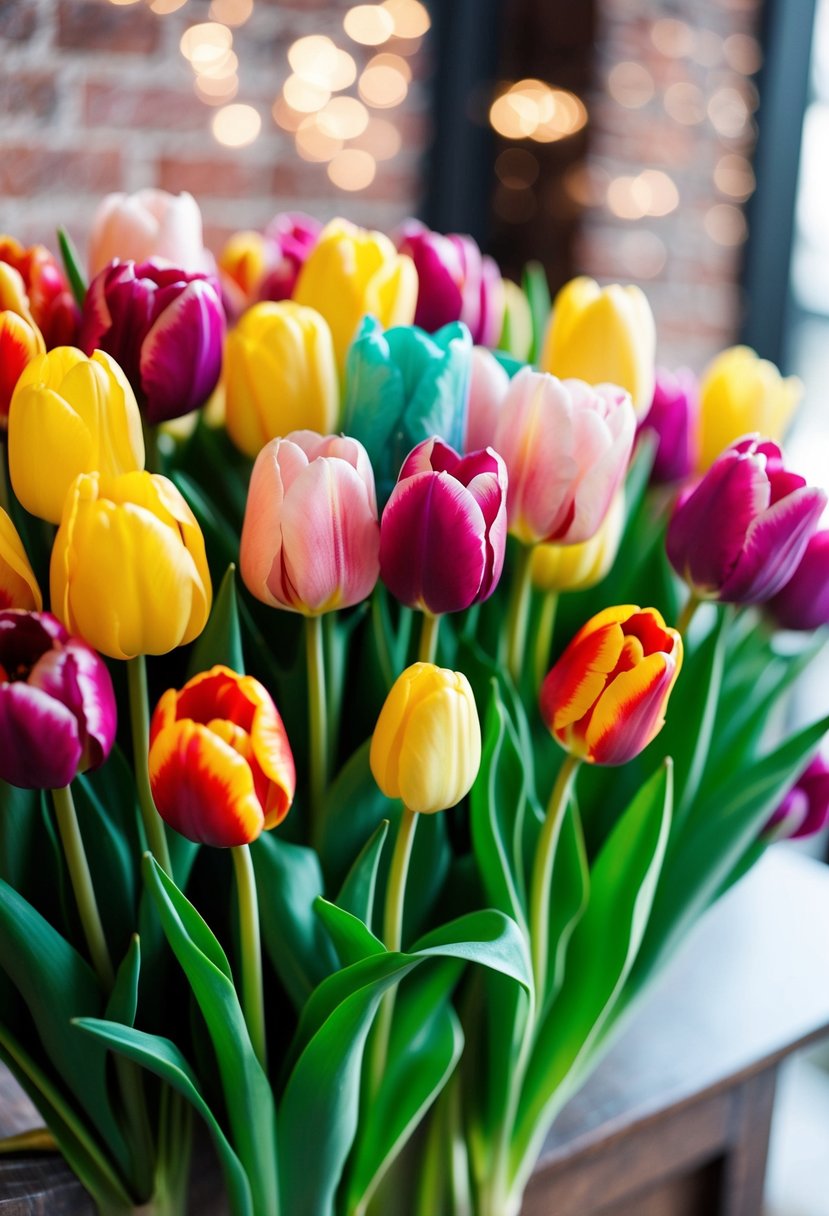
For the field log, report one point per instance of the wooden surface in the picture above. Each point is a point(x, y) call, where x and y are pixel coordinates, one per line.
point(675, 1120)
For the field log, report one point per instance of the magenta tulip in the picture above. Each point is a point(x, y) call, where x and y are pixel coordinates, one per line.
point(439, 275)
point(805, 809)
point(164, 327)
point(291, 235)
point(741, 532)
point(483, 292)
point(488, 384)
point(310, 537)
point(566, 446)
point(803, 603)
point(672, 418)
point(444, 529)
point(57, 706)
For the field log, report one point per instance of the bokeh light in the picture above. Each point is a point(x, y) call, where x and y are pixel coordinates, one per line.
point(410, 17)
point(516, 168)
point(631, 84)
point(352, 169)
point(370, 25)
point(236, 126)
point(314, 59)
point(726, 224)
point(531, 109)
point(305, 97)
point(383, 85)
point(314, 144)
point(205, 44)
point(381, 138)
point(343, 118)
point(684, 103)
point(164, 7)
point(231, 12)
point(216, 91)
point(734, 176)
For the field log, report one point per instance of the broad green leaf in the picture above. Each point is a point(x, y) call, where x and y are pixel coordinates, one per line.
point(351, 938)
point(537, 291)
point(357, 892)
point(354, 808)
point(570, 894)
point(111, 846)
point(221, 540)
point(162, 1058)
point(221, 641)
point(123, 1000)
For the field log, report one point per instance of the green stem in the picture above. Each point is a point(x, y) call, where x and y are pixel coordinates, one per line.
point(393, 937)
point(152, 456)
point(381, 641)
point(5, 489)
point(72, 841)
point(253, 999)
point(429, 638)
point(140, 723)
point(519, 604)
point(544, 637)
point(317, 722)
point(687, 614)
point(543, 873)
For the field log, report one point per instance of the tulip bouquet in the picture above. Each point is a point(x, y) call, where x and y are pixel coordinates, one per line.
point(363, 859)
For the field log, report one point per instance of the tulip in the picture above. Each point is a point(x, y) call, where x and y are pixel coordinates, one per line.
point(50, 300)
point(557, 568)
point(741, 394)
point(310, 537)
point(164, 327)
point(350, 273)
point(242, 264)
point(488, 384)
point(148, 224)
point(280, 375)
point(439, 275)
point(128, 571)
point(517, 328)
point(402, 387)
point(57, 705)
point(444, 529)
point(70, 415)
point(291, 236)
point(805, 809)
point(221, 767)
point(740, 534)
point(20, 344)
point(566, 447)
point(426, 747)
point(482, 310)
point(604, 700)
point(18, 585)
point(672, 418)
point(603, 335)
point(803, 602)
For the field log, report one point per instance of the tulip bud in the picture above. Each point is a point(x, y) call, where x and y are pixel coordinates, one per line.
point(566, 447)
point(310, 537)
point(128, 571)
point(604, 700)
point(291, 235)
point(70, 415)
point(557, 568)
point(280, 375)
point(20, 344)
point(148, 224)
point(221, 767)
point(444, 529)
point(672, 418)
point(243, 261)
point(805, 809)
point(426, 747)
point(740, 534)
point(57, 705)
point(741, 394)
point(18, 585)
point(603, 335)
point(517, 328)
point(165, 329)
point(803, 602)
point(488, 384)
point(351, 273)
point(439, 275)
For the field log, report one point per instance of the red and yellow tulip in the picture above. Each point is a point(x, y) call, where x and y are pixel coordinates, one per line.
point(18, 585)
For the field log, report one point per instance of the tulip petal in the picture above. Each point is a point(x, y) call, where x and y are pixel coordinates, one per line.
point(18, 585)
point(41, 747)
point(631, 711)
point(181, 354)
point(579, 677)
point(774, 546)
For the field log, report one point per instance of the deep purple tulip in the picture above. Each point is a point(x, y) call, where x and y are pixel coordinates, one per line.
point(57, 706)
point(740, 533)
point(483, 292)
point(439, 275)
point(291, 236)
point(444, 529)
point(673, 419)
point(805, 809)
point(804, 601)
point(164, 327)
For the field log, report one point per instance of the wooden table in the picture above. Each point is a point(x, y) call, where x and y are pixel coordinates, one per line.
point(675, 1121)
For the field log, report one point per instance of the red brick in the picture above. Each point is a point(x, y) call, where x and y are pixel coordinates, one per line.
point(18, 19)
point(96, 25)
point(28, 94)
point(26, 171)
point(215, 176)
point(110, 104)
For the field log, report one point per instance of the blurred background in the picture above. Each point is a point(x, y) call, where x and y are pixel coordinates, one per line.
point(682, 147)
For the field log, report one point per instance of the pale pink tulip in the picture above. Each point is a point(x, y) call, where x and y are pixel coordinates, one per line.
point(488, 384)
point(149, 224)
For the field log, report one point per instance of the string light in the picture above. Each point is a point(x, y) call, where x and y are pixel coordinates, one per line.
point(368, 24)
point(531, 109)
point(237, 125)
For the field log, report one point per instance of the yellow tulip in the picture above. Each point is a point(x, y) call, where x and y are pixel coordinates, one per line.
point(244, 259)
point(603, 335)
point(279, 375)
point(129, 573)
point(351, 272)
point(578, 567)
point(741, 394)
point(426, 747)
point(18, 585)
point(70, 415)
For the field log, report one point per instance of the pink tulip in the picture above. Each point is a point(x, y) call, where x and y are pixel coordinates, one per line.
point(439, 275)
point(291, 235)
point(444, 529)
point(488, 386)
point(310, 537)
point(803, 603)
point(149, 224)
point(566, 446)
point(483, 292)
point(804, 811)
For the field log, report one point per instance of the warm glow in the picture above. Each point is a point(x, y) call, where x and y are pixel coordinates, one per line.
point(205, 44)
point(513, 115)
point(343, 118)
point(123, 3)
point(314, 144)
point(685, 103)
point(304, 97)
point(622, 199)
point(708, 48)
point(396, 62)
point(236, 126)
point(382, 86)
point(284, 116)
point(370, 25)
point(516, 168)
point(411, 20)
point(568, 116)
point(728, 112)
point(531, 109)
point(314, 59)
point(672, 38)
point(642, 254)
point(734, 176)
point(352, 169)
point(630, 84)
point(231, 12)
point(163, 7)
point(344, 73)
point(216, 91)
point(742, 53)
point(221, 70)
point(651, 192)
point(586, 184)
point(381, 138)
point(726, 224)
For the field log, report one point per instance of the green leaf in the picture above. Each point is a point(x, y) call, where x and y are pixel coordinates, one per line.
point(111, 846)
point(72, 265)
point(221, 540)
point(357, 892)
point(354, 808)
point(352, 940)
point(571, 889)
point(537, 291)
point(221, 641)
point(123, 1000)
point(162, 1058)
point(245, 1086)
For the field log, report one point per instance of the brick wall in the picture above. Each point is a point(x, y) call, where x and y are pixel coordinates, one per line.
point(96, 96)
